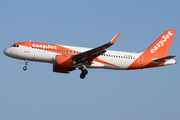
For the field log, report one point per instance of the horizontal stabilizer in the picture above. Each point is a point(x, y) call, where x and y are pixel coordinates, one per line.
point(164, 59)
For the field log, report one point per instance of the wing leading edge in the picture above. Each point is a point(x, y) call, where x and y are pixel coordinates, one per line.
point(89, 55)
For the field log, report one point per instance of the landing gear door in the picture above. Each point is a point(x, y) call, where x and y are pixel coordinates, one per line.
point(27, 47)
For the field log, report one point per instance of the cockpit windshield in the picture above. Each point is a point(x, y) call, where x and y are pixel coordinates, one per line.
point(15, 45)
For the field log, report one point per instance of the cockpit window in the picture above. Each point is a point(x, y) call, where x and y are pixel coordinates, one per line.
point(15, 45)
point(12, 45)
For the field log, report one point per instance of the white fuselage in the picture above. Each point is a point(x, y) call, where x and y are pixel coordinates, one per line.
point(119, 60)
point(68, 58)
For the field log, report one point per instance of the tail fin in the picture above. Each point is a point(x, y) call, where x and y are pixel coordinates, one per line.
point(161, 46)
point(156, 54)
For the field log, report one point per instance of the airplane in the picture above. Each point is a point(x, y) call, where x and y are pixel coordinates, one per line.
point(67, 58)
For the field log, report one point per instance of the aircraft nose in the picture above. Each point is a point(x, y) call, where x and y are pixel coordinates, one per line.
point(10, 52)
point(5, 51)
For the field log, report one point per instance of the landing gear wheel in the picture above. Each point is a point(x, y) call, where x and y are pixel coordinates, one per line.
point(82, 76)
point(24, 68)
point(85, 72)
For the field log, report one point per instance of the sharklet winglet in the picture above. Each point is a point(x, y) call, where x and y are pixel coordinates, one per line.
point(114, 39)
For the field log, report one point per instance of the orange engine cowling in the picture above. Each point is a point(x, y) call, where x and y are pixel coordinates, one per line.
point(64, 61)
point(62, 64)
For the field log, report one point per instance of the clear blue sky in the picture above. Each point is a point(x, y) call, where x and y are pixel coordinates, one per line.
point(40, 94)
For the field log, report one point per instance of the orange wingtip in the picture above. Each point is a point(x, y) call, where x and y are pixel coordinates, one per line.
point(115, 38)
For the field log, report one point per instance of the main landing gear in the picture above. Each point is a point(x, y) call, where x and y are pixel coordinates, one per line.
point(84, 73)
point(25, 67)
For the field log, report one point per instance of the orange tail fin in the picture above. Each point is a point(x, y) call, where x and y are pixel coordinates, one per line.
point(158, 50)
point(161, 46)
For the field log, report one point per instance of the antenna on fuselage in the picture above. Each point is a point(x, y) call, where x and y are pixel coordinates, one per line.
point(29, 40)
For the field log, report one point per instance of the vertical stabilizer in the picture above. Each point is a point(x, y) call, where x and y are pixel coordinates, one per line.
point(158, 50)
point(161, 46)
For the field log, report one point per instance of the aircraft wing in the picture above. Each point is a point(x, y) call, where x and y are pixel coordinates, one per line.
point(89, 55)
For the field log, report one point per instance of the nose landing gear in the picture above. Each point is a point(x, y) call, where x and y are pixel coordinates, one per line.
point(25, 67)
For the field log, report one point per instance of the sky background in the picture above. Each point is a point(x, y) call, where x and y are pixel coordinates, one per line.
point(40, 94)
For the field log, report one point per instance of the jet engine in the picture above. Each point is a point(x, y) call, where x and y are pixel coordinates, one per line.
point(63, 64)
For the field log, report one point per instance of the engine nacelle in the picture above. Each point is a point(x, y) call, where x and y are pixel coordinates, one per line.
point(62, 64)
point(60, 69)
point(64, 61)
